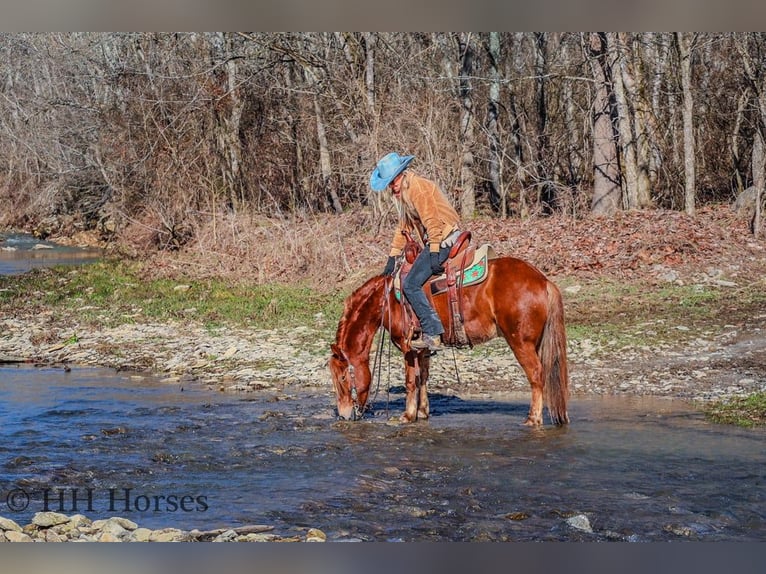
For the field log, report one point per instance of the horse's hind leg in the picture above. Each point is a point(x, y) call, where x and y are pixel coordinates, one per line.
point(527, 356)
point(424, 409)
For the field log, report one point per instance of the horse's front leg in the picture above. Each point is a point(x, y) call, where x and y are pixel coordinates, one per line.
point(416, 368)
point(411, 383)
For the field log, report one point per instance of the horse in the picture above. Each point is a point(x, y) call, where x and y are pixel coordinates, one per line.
point(515, 301)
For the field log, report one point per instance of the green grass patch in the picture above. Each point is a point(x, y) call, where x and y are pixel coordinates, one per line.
point(115, 292)
point(620, 314)
point(747, 411)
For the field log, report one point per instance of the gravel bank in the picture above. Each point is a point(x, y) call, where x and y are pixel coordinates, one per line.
point(719, 362)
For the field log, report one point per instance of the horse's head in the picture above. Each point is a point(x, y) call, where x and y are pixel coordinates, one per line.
point(342, 373)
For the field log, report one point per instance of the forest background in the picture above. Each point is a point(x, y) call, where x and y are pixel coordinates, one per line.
point(250, 153)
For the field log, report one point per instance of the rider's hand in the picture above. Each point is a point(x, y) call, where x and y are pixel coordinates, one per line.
point(389, 269)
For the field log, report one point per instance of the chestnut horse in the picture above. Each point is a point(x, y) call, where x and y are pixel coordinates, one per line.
point(515, 301)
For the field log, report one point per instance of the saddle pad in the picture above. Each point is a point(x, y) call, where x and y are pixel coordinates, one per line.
point(473, 273)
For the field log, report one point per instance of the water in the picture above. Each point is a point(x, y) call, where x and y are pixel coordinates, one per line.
point(639, 469)
point(20, 253)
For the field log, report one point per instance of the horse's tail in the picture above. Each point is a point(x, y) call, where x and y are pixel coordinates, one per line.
point(553, 354)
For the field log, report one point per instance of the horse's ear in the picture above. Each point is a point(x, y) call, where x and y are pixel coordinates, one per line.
point(336, 352)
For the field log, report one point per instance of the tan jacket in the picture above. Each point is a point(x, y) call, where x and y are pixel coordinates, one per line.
point(425, 212)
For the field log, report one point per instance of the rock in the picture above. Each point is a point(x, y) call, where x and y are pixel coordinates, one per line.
point(8, 524)
point(315, 535)
point(261, 537)
point(744, 205)
point(78, 520)
point(48, 519)
point(51, 536)
point(124, 522)
point(108, 537)
point(14, 536)
point(141, 535)
point(226, 536)
point(115, 529)
point(168, 535)
point(580, 522)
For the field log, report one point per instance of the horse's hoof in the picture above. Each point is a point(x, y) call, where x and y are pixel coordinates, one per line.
point(405, 418)
point(422, 415)
point(530, 422)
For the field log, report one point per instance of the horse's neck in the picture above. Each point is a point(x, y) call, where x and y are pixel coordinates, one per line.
point(361, 320)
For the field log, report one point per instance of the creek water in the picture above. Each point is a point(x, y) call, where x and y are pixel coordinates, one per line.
point(21, 252)
point(104, 443)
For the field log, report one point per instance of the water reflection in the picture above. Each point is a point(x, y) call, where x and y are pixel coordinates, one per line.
point(626, 469)
point(20, 253)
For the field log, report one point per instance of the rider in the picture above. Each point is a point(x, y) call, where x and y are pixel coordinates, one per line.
point(425, 210)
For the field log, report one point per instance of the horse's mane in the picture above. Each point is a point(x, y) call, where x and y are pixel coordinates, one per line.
point(359, 305)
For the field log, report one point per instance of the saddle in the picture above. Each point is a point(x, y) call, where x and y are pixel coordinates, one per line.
point(466, 266)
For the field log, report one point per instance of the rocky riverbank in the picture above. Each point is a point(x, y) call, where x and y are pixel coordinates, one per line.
point(708, 363)
point(57, 527)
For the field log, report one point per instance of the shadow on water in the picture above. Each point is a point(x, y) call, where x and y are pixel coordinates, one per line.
point(626, 469)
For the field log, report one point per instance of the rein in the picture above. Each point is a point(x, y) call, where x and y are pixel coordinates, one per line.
point(377, 366)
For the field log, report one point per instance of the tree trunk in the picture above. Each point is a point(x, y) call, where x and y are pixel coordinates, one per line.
point(684, 44)
point(660, 58)
point(467, 138)
point(742, 102)
point(606, 177)
point(757, 82)
point(496, 193)
point(546, 191)
point(369, 70)
point(325, 165)
point(759, 178)
point(635, 81)
point(616, 55)
point(228, 114)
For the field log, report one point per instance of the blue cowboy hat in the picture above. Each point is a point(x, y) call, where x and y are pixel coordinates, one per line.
point(387, 169)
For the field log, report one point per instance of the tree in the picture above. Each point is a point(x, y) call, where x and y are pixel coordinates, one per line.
point(606, 175)
point(752, 50)
point(685, 43)
point(467, 135)
point(497, 194)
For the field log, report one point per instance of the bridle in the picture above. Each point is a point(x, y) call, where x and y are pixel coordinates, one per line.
point(350, 375)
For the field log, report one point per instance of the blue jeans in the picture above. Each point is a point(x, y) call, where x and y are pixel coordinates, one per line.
point(412, 286)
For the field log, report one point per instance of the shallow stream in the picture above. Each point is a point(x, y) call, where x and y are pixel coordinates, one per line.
point(105, 444)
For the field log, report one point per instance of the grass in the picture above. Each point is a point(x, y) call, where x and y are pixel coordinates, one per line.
point(116, 292)
point(617, 314)
point(747, 411)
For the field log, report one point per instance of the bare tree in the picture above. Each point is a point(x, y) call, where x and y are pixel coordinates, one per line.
point(229, 104)
point(467, 135)
point(752, 49)
point(685, 43)
point(606, 176)
point(497, 194)
point(161, 132)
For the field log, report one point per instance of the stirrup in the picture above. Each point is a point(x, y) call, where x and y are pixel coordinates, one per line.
point(431, 342)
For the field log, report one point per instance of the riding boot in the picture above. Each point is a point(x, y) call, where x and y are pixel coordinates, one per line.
point(412, 287)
